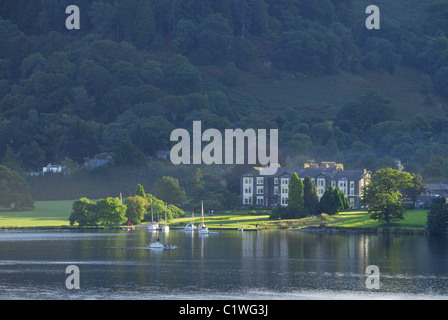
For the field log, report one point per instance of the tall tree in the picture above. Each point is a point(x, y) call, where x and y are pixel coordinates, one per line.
point(136, 208)
point(382, 194)
point(169, 190)
point(140, 191)
point(111, 211)
point(197, 184)
point(144, 27)
point(417, 187)
point(311, 200)
point(295, 196)
point(15, 192)
point(83, 212)
point(437, 222)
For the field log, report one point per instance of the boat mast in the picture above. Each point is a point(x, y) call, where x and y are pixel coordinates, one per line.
point(202, 211)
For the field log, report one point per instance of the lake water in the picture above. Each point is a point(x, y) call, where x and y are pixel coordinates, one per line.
point(264, 265)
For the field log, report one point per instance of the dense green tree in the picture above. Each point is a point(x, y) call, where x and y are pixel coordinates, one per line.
point(169, 190)
point(417, 188)
point(311, 200)
point(110, 211)
point(213, 39)
point(370, 109)
point(136, 208)
point(140, 191)
point(441, 81)
point(380, 53)
point(14, 190)
point(181, 76)
point(295, 196)
point(84, 213)
point(437, 222)
point(332, 201)
point(383, 193)
point(144, 27)
point(197, 184)
point(127, 154)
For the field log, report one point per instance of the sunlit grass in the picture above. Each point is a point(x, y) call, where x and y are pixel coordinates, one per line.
point(57, 213)
point(414, 219)
point(46, 214)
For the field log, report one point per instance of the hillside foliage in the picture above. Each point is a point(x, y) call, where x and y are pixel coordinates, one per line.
point(137, 69)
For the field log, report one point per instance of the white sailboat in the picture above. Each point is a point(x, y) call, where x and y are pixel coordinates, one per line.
point(165, 228)
point(190, 226)
point(203, 229)
point(154, 226)
point(157, 245)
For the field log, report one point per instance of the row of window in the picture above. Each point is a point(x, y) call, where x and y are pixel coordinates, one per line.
point(285, 181)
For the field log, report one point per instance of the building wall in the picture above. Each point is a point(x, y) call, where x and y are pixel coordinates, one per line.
point(273, 191)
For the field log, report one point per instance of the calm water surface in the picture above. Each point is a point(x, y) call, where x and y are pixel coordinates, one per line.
point(230, 265)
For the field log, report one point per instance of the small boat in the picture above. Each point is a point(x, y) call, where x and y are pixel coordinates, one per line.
point(190, 226)
point(157, 245)
point(154, 226)
point(165, 228)
point(241, 229)
point(203, 229)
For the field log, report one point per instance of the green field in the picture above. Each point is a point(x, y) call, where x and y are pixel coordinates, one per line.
point(414, 220)
point(46, 214)
point(56, 214)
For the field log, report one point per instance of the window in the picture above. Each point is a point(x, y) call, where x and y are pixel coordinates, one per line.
point(247, 180)
point(284, 201)
point(321, 182)
point(333, 184)
point(260, 180)
point(352, 202)
point(260, 200)
point(260, 190)
point(248, 190)
point(285, 181)
point(285, 190)
point(275, 190)
point(248, 200)
point(275, 180)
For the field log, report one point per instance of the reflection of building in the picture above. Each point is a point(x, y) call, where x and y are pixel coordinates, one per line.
point(273, 190)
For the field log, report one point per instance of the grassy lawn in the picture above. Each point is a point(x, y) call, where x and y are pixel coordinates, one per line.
point(414, 219)
point(46, 214)
point(56, 214)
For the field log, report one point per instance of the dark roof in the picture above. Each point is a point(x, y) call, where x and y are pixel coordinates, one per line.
point(96, 163)
point(436, 187)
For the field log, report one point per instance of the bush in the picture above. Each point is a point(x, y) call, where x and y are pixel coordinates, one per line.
point(437, 222)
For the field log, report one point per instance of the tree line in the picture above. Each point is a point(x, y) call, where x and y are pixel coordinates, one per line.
point(111, 211)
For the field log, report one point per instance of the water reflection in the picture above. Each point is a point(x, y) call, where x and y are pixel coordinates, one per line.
point(267, 264)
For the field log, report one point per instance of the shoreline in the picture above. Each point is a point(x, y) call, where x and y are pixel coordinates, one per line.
point(310, 229)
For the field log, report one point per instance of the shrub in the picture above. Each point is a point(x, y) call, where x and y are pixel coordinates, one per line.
point(437, 222)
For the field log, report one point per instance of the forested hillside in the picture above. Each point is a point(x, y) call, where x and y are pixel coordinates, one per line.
point(137, 69)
